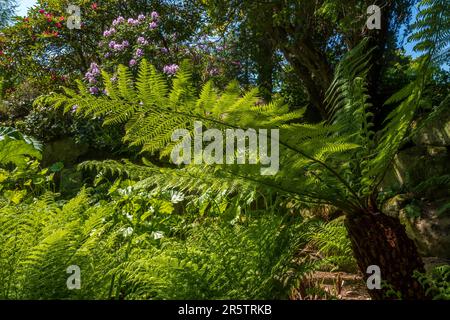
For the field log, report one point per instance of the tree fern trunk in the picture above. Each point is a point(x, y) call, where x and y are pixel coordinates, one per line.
point(378, 239)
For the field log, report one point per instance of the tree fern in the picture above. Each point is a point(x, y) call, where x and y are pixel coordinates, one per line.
point(337, 163)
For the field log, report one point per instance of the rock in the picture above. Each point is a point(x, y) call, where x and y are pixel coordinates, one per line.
point(392, 206)
point(435, 133)
point(430, 231)
point(414, 165)
point(437, 151)
point(433, 262)
point(64, 150)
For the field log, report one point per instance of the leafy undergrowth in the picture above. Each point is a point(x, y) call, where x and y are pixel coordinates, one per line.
point(120, 257)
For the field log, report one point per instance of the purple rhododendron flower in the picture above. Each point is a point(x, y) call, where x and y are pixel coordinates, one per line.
point(93, 90)
point(118, 47)
point(112, 44)
point(91, 74)
point(74, 108)
point(133, 62)
point(171, 69)
point(119, 20)
point(94, 69)
point(142, 40)
point(153, 25)
point(125, 43)
point(139, 53)
point(164, 50)
point(109, 32)
point(133, 22)
point(154, 15)
point(141, 17)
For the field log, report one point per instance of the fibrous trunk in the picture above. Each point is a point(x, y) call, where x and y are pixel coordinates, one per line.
point(381, 240)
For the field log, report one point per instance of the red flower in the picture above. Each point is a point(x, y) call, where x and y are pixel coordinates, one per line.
point(55, 34)
point(94, 6)
point(26, 19)
point(1, 52)
point(58, 25)
point(42, 11)
point(61, 18)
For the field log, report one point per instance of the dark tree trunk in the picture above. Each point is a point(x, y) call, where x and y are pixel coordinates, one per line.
point(265, 68)
point(378, 239)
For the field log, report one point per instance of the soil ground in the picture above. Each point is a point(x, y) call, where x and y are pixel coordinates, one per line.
point(332, 285)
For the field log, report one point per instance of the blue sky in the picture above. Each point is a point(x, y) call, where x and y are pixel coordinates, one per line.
point(24, 5)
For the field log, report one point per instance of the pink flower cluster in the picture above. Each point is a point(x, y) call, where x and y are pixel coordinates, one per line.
point(142, 41)
point(134, 22)
point(109, 32)
point(154, 15)
point(91, 75)
point(118, 21)
point(171, 69)
point(139, 53)
point(118, 46)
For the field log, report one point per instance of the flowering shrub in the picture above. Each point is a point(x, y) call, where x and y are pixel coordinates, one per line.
point(128, 41)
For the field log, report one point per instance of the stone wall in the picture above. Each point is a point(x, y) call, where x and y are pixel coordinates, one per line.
point(420, 212)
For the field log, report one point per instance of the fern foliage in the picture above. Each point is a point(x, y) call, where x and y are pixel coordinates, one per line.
point(339, 162)
point(120, 259)
point(331, 241)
